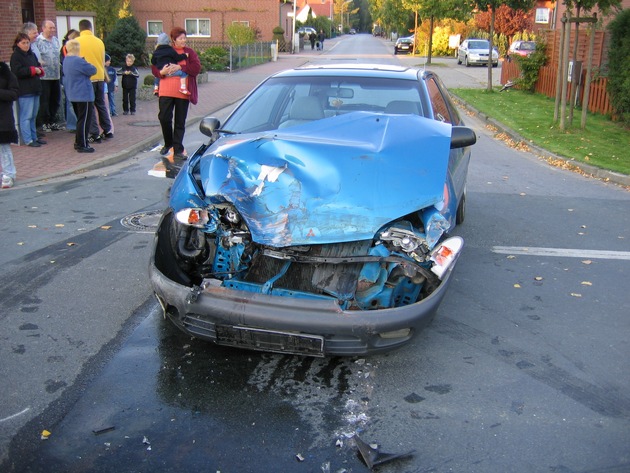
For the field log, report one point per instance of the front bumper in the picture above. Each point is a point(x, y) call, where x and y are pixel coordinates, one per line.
point(290, 325)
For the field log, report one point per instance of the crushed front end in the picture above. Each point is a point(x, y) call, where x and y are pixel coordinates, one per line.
point(306, 244)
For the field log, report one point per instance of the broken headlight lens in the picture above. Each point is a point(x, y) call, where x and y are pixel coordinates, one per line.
point(197, 218)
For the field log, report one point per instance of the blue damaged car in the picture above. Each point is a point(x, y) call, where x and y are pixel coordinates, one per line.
point(316, 219)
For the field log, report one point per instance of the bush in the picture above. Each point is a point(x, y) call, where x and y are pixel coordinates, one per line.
point(530, 67)
point(127, 37)
point(215, 58)
point(618, 77)
point(148, 80)
point(278, 35)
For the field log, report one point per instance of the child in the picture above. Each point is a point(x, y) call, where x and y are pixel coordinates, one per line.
point(130, 76)
point(163, 55)
point(79, 90)
point(112, 84)
point(9, 89)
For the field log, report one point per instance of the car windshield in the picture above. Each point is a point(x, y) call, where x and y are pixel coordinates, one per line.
point(478, 45)
point(287, 101)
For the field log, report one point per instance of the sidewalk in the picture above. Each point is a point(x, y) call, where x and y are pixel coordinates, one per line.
point(142, 130)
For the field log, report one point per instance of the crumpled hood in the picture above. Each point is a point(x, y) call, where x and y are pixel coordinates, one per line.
point(332, 180)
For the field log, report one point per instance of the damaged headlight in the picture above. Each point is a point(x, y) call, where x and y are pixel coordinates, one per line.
point(197, 218)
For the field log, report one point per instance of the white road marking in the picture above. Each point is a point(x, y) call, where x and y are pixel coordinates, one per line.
point(562, 252)
point(23, 411)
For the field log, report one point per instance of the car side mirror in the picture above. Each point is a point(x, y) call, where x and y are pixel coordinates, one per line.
point(462, 136)
point(209, 125)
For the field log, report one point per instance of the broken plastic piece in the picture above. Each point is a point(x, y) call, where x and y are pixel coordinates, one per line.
point(103, 430)
point(373, 457)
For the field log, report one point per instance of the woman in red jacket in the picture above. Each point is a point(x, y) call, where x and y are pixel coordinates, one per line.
point(173, 105)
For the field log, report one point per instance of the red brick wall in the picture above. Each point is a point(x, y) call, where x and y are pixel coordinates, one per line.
point(11, 20)
point(261, 14)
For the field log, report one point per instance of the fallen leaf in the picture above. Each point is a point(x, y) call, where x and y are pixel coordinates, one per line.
point(575, 294)
point(522, 194)
point(587, 261)
point(586, 283)
point(59, 225)
point(106, 227)
point(299, 457)
point(517, 286)
point(45, 434)
point(32, 226)
point(538, 278)
point(510, 257)
point(71, 244)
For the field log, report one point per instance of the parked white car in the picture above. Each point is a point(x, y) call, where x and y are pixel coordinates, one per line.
point(476, 51)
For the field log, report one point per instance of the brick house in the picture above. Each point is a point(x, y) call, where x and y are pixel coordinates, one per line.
point(208, 20)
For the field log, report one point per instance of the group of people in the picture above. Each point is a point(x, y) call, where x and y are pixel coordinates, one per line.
point(40, 65)
point(317, 40)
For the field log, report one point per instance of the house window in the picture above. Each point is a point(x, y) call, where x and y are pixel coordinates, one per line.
point(198, 27)
point(154, 28)
point(542, 15)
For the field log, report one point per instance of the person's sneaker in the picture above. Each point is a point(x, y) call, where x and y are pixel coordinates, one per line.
point(184, 91)
point(133, 113)
point(84, 149)
point(7, 182)
point(164, 151)
point(34, 144)
point(95, 139)
point(156, 90)
point(46, 128)
point(41, 142)
point(108, 136)
point(56, 127)
point(125, 113)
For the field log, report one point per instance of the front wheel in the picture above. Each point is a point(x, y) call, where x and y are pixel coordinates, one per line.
point(459, 61)
point(466, 61)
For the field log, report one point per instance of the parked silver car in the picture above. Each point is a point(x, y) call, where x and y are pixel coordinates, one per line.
point(475, 51)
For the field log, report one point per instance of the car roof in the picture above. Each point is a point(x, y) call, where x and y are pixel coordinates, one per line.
point(352, 70)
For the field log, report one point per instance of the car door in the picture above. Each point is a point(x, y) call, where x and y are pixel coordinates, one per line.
point(462, 51)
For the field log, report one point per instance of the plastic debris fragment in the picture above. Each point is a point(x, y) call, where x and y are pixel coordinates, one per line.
point(373, 457)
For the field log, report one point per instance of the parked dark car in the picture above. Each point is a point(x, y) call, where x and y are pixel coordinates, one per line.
point(316, 220)
point(476, 51)
point(404, 45)
point(521, 48)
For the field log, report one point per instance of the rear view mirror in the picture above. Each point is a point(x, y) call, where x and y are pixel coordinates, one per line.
point(340, 93)
point(462, 136)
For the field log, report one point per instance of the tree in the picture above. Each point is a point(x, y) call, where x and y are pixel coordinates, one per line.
point(108, 12)
point(239, 34)
point(507, 22)
point(618, 79)
point(492, 6)
point(435, 10)
point(127, 37)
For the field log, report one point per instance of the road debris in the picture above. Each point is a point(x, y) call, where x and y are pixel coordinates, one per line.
point(373, 457)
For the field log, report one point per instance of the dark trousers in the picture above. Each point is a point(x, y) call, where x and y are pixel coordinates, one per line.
point(129, 100)
point(49, 102)
point(101, 110)
point(173, 130)
point(85, 113)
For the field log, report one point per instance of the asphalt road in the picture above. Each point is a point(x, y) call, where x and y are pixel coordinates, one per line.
point(524, 369)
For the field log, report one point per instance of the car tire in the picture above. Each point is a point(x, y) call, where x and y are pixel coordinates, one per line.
point(466, 61)
point(460, 215)
point(395, 51)
point(459, 61)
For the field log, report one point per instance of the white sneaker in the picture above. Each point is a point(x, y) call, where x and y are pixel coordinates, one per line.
point(7, 182)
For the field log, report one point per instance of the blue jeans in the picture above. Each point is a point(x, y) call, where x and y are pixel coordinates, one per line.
point(112, 101)
point(6, 160)
point(29, 106)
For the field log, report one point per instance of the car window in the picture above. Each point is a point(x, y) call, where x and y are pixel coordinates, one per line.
point(441, 111)
point(272, 104)
point(479, 45)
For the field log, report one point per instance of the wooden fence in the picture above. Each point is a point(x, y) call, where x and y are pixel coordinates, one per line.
point(598, 98)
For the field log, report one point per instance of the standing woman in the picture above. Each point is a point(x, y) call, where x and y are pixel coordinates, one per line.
point(172, 103)
point(8, 94)
point(79, 90)
point(27, 69)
